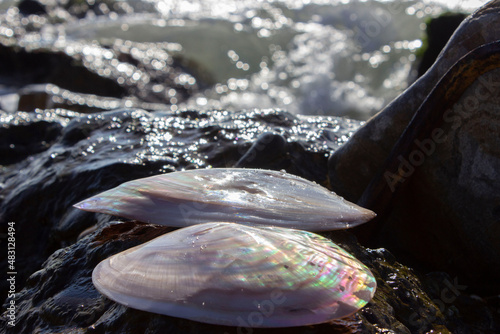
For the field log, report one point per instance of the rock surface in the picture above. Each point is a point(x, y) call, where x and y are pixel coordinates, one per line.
point(49, 303)
point(445, 214)
point(90, 153)
point(74, 156)
point(445, 218)
point(368, 149)
point(119, 70)
point(438, 31)
point(83, 75)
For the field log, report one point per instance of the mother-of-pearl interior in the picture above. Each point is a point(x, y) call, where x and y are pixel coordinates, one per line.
point(221, 273)
point(245, 196)
point(238, 262)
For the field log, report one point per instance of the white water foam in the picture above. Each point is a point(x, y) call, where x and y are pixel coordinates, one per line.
point(321, 57)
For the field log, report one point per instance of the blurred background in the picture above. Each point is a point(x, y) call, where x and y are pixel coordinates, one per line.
point(315, 57)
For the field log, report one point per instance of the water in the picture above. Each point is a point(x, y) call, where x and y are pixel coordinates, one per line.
point(319, 57)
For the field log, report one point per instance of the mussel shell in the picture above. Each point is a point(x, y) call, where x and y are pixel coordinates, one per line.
point(237, 275)
point(246, 196)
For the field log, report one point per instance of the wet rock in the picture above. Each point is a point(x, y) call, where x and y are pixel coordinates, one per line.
point(91, 153)
point(439, 208)
point(447, 212)
point(145, 74)
point(31, 7)
point(438, 32)
point(268, 151)
point(19, 141)
point(21, 67)
point(368, 149)
point(61, 297)
point(72, 156)
point(49, 96)
point(122, 69)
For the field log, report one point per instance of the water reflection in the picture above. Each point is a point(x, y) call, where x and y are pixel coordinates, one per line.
point(309, 57)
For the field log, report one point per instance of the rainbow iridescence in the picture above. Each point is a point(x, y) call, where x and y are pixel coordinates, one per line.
point(231, 274)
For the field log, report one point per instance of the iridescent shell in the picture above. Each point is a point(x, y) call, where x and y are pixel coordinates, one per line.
point(237, 275)
point(246, 196)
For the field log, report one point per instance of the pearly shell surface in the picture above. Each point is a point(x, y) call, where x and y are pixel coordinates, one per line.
point(245, 196)
point(237, 275)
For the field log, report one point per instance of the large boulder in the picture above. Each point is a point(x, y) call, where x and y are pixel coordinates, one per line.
point(429, 163)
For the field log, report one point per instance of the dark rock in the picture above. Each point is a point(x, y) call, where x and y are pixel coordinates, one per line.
point(367, 150)
point(445, 213)
point(61, 297)
point(31, 7)
point(85, 154)
point(438, 32)
point(95, 152)
point(268, 151)
point(438, 209)
point(20, 67)
point(49, 96)
point(113, 71)
point(18, 141)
